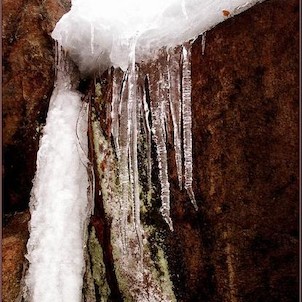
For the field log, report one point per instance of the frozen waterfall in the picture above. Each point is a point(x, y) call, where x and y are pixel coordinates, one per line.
point(59, 205)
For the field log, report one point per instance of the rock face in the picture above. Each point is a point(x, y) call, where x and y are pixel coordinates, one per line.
point(242, 243)
point(14, 238)
point(28, 77)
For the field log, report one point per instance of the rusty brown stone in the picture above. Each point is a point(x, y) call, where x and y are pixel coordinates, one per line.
point(28, 77)
point(242, 245)
point(14, 238)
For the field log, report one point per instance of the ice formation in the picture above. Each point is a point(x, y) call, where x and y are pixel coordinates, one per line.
point(99, 33)
point(146, 43)
point(59, 205)
point(127, 35)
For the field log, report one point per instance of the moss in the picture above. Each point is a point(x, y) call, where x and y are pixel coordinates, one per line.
point(164, 273)
point(98, 266)
point(154, 260)
point(98, 90)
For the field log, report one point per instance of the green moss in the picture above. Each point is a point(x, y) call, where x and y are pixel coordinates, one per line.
point(98, 90)
point(154, 258)
point(98, 266)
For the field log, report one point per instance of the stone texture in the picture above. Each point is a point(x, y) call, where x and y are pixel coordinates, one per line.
point(14, 238)
point(242, 245)
point(28, 77)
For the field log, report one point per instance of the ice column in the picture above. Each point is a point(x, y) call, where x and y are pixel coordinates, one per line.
point(59, 206)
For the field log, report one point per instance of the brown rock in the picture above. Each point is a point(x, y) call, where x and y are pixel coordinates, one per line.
point(28, 77)
point(15, 235)
point(242, 245)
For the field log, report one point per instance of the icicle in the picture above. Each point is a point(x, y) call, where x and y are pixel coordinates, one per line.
point(187, 120)
point(144, 129)
point(164, 91)
point(83, 154)
point(159, 135)
point(203, 42)
point(146, 117)
point(132, 111)
point(116, 100)
point(123, 161)
point(175, 107)
point(92, 38)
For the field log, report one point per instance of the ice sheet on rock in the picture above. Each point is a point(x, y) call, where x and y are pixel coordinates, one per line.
point(59, 203)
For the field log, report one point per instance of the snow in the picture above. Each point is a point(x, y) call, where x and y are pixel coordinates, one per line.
point(59, 206)
point(99, 33)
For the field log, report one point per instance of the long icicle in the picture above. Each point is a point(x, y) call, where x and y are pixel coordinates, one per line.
point(187, 120)
point(116, 101)
point(132, 111)
point(146, 116)
point(124, 133)
point(158, 111)
point(175, 106)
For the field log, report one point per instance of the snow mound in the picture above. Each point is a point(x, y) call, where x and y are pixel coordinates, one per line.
point(100, 33)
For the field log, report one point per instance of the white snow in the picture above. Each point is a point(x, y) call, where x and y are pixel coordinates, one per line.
point(59, 205)
point(99, 33)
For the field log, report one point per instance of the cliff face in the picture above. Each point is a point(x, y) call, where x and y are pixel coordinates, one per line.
point(28, 77)
point(242, 244)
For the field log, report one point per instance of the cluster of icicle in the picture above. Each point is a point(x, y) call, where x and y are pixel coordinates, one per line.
point(159, 94)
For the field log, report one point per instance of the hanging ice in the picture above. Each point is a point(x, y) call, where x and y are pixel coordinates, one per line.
point(159, 23)
point(132, 123)
point(175, 105)
point(59, 205)
point(187, 120)
point(159, 101)
point(121, 34)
